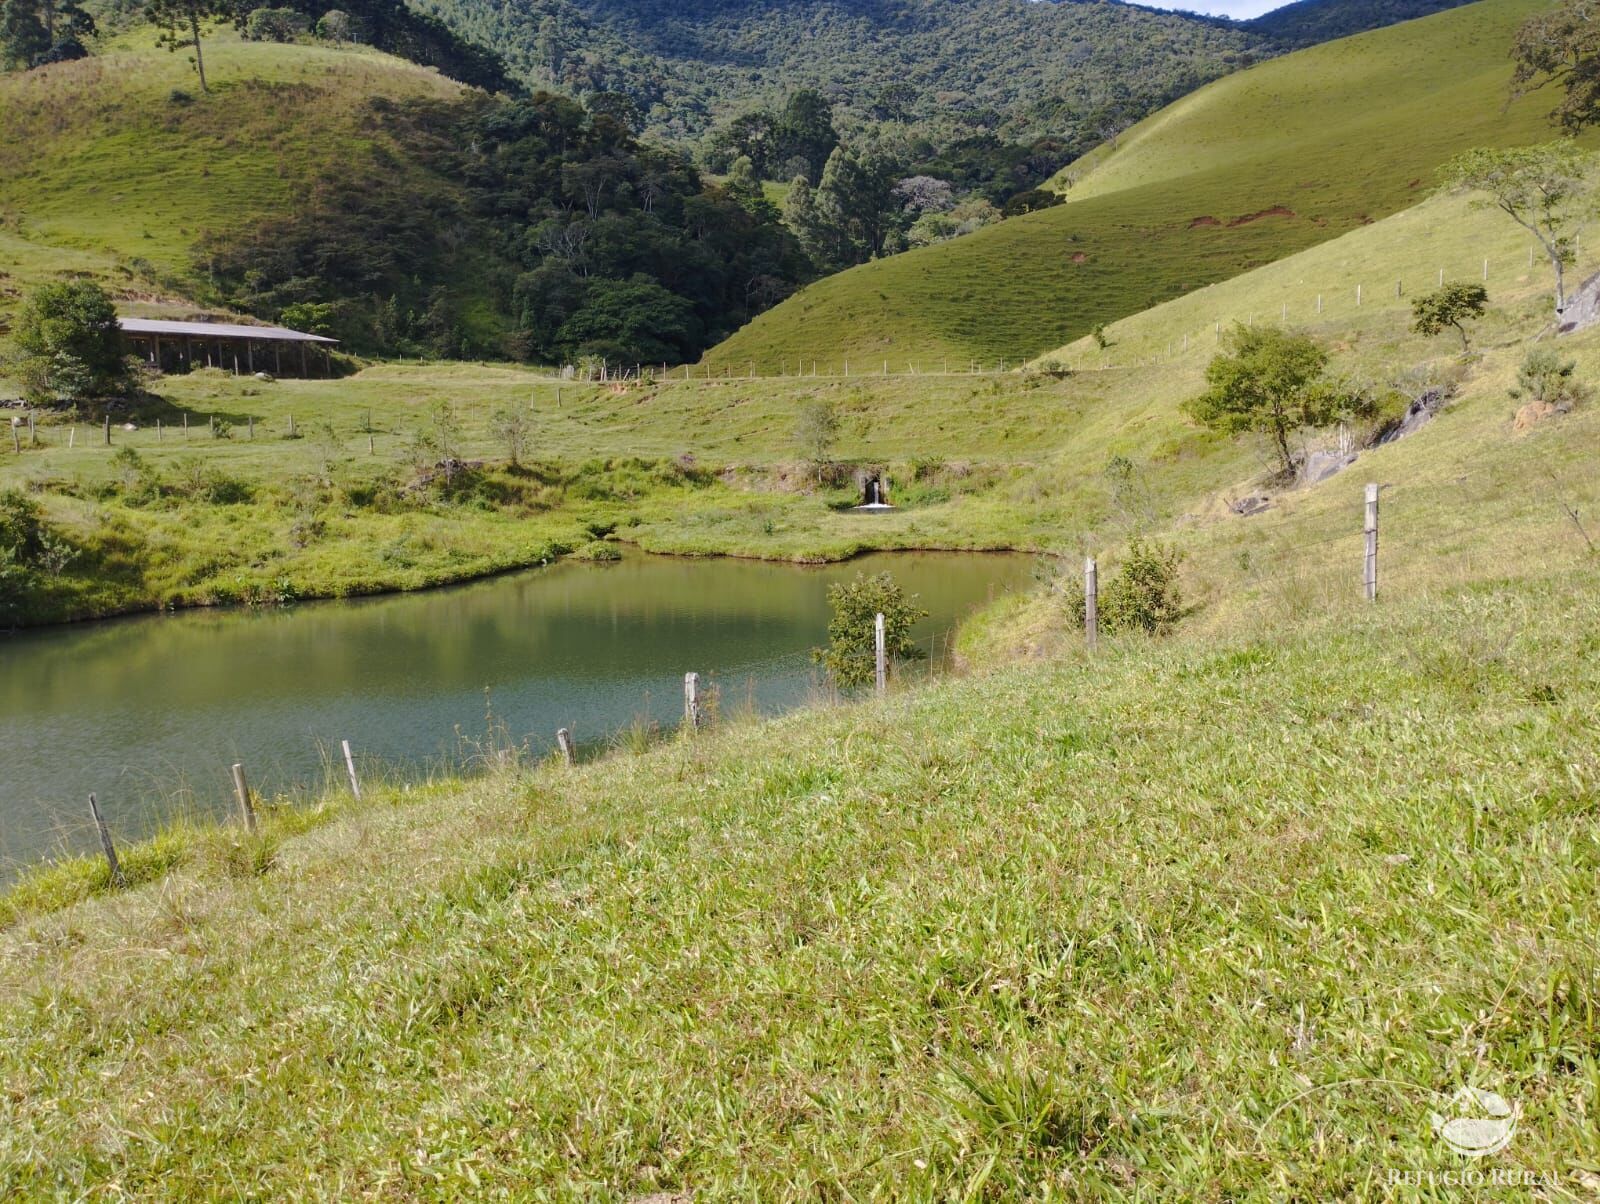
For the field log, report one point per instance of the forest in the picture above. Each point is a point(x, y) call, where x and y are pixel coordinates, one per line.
point(591, 243)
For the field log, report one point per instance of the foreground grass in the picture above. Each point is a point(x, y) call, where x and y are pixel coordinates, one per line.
point(1221, 925)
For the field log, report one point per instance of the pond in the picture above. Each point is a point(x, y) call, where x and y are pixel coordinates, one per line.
point(148, 713)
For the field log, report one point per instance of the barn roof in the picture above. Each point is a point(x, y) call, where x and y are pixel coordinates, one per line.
point(218, 330)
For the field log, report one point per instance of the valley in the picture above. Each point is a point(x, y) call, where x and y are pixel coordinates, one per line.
point(1241, 815)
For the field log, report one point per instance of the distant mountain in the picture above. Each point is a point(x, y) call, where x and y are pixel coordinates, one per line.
point(1010, 67)
point(1307, 22)
point(1075, 70)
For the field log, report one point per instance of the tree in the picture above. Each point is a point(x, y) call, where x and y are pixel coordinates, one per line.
point(815, 431)
point(66, 342)
point(804, 133)
point(1455, 305)
point(23, 36)
point(1544, 189)
point(850, 657)
point(1267, 380)
point(274, 25)
point(631, 321)
point(1561, 46)
point(512, 428)
point(336, 26)
point(179, 25)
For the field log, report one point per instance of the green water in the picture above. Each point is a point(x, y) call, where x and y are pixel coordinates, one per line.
point(149, 713)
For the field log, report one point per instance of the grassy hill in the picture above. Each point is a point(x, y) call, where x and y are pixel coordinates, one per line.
point(116, 164)
point(1258, 165)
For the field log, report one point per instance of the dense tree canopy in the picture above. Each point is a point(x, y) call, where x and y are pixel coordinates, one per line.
point(593, 243)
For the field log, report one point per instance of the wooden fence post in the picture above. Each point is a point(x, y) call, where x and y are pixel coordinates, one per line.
point(108, 430)
point(33, 434)
point(350, 768)
point(691, 701)
point(880, 657)
point(1091, 603)
point(106, 846)
point(564, 742)
point(241, 790)
point(1369, 572)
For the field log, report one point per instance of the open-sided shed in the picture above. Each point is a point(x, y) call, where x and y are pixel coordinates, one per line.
point(232, 347)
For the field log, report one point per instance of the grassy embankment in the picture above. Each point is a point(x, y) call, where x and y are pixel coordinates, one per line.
point(1210, 918)
point(1253, 167)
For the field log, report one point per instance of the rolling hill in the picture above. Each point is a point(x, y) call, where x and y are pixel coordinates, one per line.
point(113, 167)
point(1255, 166)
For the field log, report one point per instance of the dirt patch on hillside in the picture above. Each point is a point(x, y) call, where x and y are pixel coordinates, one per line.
point(1204, 220)
point(1080, 257)
point(1247, 218)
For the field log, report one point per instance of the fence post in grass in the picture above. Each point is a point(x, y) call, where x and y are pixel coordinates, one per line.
point(350, 768)
point(691, 701)
point(1358, 296)
point(108, 430)
point(1091, 603)
point(241, 790)
point(1441, 277)
point(250, 423)
point(371, 447)
point(33, 434)
point(1486, 271)
point(564, 742)
point(1369, 571)
point(16, 440)
point(291, 426)
point(186, 424)
point(880, 657)
point(106, 846)
point(1319, 303)
point(72, 438)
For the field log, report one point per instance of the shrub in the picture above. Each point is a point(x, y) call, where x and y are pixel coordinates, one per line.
point(1546, 378)
point(21, 527)
point(849, 656)
point(1143, 596)
point(815, 431)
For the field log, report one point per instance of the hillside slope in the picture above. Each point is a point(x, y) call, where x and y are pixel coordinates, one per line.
point(116, 166)
point(1253, 167)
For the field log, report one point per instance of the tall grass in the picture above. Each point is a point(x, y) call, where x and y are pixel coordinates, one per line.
point(1202, 919)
